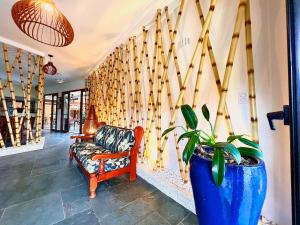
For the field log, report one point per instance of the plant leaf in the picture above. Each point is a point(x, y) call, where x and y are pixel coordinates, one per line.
point(249, 142)
point(244, 151)
point(230, 148)
point(189, 149)
point(218, 167)
point(232, 138)
point(168, 131)
point(187, 135)
point(205, 112)
point(214, 145)
point(189, 116)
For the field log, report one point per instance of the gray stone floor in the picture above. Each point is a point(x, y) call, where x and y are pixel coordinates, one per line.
point(44, 188)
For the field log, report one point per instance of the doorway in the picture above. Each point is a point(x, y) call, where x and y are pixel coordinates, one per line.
point(73, 111)
point(50, 112)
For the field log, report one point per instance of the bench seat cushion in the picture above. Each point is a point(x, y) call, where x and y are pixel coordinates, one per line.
point(84, 152)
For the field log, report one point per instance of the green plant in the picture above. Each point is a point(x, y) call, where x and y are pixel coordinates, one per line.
point(221, 150)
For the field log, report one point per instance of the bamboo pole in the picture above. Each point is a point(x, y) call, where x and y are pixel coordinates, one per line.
point(142, 56)
point(130, 84)
point(28, 95)
point(229, 64)
point(23, 89)
point(191, 67)
point(123, 86)
point(41, 84)
point(251, 80)
point(199, 73)
point(171, 106)
point(215, 70)
point(11, 88)
point(136, 82)
point(151, 103)
point(166, 65)
point(11, 134)
point(159, 90)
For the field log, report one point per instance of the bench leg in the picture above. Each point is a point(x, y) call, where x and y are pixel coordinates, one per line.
point(70, 154)
point(132, 174)
point(93, 185)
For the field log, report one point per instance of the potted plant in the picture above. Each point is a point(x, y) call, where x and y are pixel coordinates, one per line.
point(228, 178)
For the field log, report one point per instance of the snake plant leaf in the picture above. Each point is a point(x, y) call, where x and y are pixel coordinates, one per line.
point(249, 142)
point(189, 148)
point(232, 138)
point(245, 151)
point(205, 112)
point(218, 167)
point(168, 131)
point(189, 116)
point(232, 150)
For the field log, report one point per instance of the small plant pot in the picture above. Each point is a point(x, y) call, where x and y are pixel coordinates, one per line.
point(238, 201)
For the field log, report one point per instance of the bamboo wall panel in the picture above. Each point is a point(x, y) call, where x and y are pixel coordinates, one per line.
point(129, 88)
point(17, 126)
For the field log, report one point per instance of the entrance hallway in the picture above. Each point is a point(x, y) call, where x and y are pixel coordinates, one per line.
point(44, 188)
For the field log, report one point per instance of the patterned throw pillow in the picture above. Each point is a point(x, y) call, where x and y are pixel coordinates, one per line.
point(115, 139)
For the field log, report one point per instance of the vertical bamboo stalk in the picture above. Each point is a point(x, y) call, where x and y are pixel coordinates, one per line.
point(251, 80)
point(11, 87)
point(191, 67)
point(28, 95)
point(229, 64)
point(41, 84)
point(131, 97)
point(123, 86)
point(159, 90)
point(136, 82)
point(215, 70)
point(11, 134)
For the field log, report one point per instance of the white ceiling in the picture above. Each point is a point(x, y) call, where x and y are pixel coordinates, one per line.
point(99, 25)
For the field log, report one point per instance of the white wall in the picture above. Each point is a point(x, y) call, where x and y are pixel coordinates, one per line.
point(67, 86)
point(271, 73)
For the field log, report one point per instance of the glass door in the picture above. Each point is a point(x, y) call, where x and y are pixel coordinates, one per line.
point(65, 112)
point(50, 112)
point(73, 111)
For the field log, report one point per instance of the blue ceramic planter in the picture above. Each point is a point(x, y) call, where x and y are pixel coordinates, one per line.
point(238, 201)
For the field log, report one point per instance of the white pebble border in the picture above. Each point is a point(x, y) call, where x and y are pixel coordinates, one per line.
point(23, 148)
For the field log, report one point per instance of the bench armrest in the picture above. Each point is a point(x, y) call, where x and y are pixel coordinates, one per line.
point(83, 137)
point(110, 156)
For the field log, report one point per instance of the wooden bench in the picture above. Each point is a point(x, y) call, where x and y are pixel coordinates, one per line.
point(113, 153)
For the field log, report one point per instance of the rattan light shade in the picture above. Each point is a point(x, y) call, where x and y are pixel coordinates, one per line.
point(42, 21)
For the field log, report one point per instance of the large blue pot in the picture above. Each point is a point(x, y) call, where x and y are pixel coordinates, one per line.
point(238, 201)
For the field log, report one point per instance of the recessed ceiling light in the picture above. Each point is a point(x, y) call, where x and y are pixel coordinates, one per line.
point(60, 81)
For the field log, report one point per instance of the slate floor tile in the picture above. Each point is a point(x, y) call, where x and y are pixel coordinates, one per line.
point(191, 219)
point(41, 211)
point(128, 215)
point(37, 186)
point(84, 218)
point(75, 200)
point(153, 219)
point(132, 191)
point(167, 207)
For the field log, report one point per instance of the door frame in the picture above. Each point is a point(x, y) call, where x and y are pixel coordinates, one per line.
point(293, 25)
point(51, 116)
point(81, 107)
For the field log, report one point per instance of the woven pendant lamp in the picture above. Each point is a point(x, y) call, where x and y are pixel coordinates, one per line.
point(42, 21)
